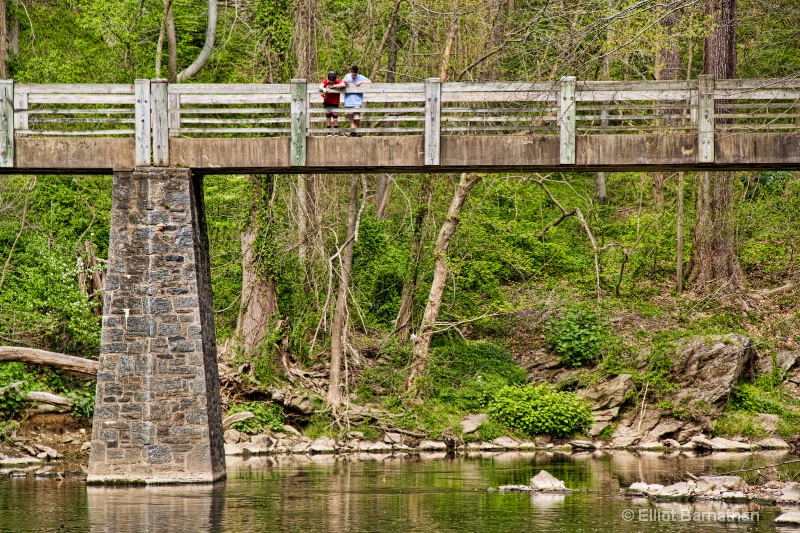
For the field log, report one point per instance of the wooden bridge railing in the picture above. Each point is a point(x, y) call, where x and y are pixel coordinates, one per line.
point(153, 111)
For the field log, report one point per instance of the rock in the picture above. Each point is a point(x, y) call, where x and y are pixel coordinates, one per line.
point(377, 446)
point(432, 445)
point(67, 439)
point(232, 436)
point(19, 461)
point(489, 447)
point(651, 446)
point(392, 438)
point(644, 488)
point(768, 422)
point(721, 483)
point(290, 430)
point(582, 445)
point(677, 491)
point(303, 404)
point(514, 488)
point(86, 446)
point(355, 435)
point(671, 444)
point(301, 447)
point(790, 493)
point(229, 420)
point(506, 443)
point(783, 361)
point(544, 481)
point(471, 423)
point(49, 452)
point(542, 440)
point(773, 444)
point(734, 497)
point(232, 449)
point(718, 444)
point(708, 367)
point(598, 428)
point(624, 436)
point(263, 440)
point(609, 394)
point(323, 445)
point(790, 518)
point(527, 445)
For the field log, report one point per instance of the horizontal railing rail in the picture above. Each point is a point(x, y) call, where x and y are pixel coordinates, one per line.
point(153, 111)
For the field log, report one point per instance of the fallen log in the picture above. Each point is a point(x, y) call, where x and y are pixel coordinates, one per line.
point(86, 368)
point(237, 417)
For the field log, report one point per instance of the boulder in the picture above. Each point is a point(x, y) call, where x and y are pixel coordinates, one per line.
point(644, 488)
point(506, 443)
point(86, 446)
point(651, 446)
point(232, 449)
point(290, 430)
point(773, 444)
point(378, 446)
point(678, 491)
point(303, 404)
point(624, 436)
point(768, 422)
point(582, 445)
point(355, 435)
point(671, 444)
point(323, 445)
point(783, 361)
point(232, 436)
point(544, 481)
point(718, 444)
point(392, 438)
point(721, 483)
point(790, 493)
point(708, 367)
point(49, 452)
point(432, 445)
point(790, 518)
point(609, 394)
point(471, 423)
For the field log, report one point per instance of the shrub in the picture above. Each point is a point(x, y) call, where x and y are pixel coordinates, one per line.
point(540, 409)
point(752, 399)
point(267, 416)
point(578, 337)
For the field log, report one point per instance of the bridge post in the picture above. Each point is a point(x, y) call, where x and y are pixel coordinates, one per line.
point(299, 124)
point(433, 120)
point(142, 126)
point(705, 122)
point(566, 119)
point(159, 120)
point(157, 415)
point(6, 123)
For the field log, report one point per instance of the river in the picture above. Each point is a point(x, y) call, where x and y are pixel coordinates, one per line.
point(373, 493)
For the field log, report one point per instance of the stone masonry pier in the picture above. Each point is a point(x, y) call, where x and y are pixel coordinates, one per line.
point(157, 416)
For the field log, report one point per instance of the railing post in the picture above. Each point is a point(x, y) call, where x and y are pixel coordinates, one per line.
point(433, 120)
point(142, 114)
point(6, 123)
point(705, 119)
point(299, 124)
point(159, 121)
point(174, 102)
point(566, 119)
point(20, 104)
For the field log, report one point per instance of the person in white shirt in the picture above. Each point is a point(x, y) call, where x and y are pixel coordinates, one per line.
point(354, 100)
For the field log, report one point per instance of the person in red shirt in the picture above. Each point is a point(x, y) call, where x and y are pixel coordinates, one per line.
point(330, 100)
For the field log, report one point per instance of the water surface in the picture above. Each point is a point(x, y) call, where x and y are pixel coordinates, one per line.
point(369, 493)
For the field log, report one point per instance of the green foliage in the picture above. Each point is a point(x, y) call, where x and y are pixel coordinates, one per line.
point(468, 374)
point(578, 337)
point(750, 398)
point(267, 416)
point(320, 425)
point(83, 401)
point(735, 424)
point(540, 409)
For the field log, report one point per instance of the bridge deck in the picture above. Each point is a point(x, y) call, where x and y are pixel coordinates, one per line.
point(423, 127)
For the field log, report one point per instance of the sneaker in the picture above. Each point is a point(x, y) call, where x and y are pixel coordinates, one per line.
point(358, 134)
point(329, 134)
point(353, 134)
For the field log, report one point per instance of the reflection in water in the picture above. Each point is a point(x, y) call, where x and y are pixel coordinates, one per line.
point(156, 509)
point(368, 493)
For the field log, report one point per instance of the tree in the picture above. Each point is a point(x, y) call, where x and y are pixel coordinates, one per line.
point(259, 302)
point(422, 342)
point(715, 264)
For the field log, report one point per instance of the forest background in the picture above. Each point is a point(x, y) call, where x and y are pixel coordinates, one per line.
point(313, 269)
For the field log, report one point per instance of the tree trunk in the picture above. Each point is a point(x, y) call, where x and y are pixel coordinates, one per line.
point(600, 187)
point(68, 363)
point(3, 38)
point(404, 314)
point(172, 46)
point(419, 357)
point(304, 16)
point(259, 301)
point(382, 195)
point(334, 397)
point(715, 264)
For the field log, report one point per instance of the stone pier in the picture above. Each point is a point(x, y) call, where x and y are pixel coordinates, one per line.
point(157, 415)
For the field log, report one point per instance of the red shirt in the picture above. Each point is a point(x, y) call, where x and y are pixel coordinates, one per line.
point(331, 97)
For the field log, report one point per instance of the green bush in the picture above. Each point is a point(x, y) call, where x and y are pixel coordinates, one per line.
point(540, 409)
point(752, 399)
point(578, 337)
point(268, 416)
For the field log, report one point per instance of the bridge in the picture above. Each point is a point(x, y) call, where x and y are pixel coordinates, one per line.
point(157, 413)
point(566, 125)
